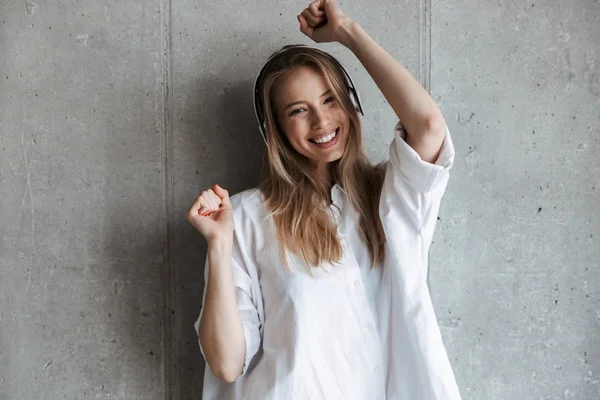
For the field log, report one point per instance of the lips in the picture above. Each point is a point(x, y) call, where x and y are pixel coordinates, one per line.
point(323, 135)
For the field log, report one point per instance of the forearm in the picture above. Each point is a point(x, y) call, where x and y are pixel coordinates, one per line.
point(409, 100)
point(220, 332)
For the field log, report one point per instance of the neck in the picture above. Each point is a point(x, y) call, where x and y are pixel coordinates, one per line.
point(323, 171)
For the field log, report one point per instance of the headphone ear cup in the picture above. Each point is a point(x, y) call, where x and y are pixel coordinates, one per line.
point(353, 99)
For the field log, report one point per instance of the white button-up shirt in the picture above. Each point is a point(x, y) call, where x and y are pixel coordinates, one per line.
point(349, 332)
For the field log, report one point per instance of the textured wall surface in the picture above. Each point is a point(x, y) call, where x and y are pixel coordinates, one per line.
point(81, 183)
point(116, 114)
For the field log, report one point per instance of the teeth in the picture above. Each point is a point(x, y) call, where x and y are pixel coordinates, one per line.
point(326, 138)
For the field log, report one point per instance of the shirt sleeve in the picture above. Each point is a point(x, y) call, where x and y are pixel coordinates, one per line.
point(248, 298)
point(415, 187)
point(421, 175)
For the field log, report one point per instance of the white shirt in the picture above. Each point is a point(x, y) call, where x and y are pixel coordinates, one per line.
point(350, 332)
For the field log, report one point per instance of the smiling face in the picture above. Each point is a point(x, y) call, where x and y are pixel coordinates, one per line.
point(311, 117)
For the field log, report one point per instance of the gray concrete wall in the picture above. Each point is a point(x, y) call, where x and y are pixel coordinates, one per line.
point(116, 114)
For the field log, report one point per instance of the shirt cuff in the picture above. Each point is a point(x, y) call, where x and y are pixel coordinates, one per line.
point(420, 175)
point(250, 349)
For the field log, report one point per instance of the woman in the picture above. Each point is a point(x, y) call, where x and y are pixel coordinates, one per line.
point(316, 281)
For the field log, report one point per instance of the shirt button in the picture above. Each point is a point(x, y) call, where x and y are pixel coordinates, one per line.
point(357, 283)
point(368, 326)
point(376, 369)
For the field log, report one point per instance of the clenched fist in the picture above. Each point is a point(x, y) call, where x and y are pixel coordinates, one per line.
point(211, 214)
point(322, 21)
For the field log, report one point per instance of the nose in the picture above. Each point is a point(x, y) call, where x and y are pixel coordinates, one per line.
point(318, 118)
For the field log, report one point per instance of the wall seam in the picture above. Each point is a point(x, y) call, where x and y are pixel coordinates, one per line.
point(425, 45)
point(168, 270)
point(425, 59)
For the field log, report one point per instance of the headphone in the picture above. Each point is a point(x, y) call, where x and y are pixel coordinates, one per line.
point(258, 101)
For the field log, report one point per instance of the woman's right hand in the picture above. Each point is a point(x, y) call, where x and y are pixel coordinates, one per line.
point(211, 214)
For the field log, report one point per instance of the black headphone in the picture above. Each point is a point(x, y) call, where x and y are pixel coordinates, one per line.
point(258, 103)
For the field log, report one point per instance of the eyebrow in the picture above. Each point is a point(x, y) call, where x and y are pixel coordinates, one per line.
point(298, 102)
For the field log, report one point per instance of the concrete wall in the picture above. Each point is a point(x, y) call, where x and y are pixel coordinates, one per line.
point(116, 114)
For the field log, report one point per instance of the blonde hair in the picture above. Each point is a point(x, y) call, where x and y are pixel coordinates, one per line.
point(295, 196)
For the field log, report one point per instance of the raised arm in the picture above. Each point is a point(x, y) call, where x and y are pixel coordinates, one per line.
point(419, 113)
point(323, 21)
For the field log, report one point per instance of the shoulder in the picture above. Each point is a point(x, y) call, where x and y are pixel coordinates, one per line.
point(247, 200)
point(251, 228)
point(248, 204)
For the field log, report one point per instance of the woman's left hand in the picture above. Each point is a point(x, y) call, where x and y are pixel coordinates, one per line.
point(321, 20)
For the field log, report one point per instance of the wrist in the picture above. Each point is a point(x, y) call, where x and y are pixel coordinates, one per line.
point(220, 243)
point(347, 33)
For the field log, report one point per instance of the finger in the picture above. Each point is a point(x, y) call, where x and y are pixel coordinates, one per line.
point(316, 8)
point(210, 199)
point(304, 27)
point(205, 208)
point(223, 194)
point(207, 202)
point(330, 7)
point(311, 19)
point(198, 202)
point(201, 206)
point(215, 201)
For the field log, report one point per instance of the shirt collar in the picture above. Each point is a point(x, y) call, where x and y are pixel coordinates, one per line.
point(338, 187)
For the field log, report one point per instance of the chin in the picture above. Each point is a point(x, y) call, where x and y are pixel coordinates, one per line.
point(334, 156)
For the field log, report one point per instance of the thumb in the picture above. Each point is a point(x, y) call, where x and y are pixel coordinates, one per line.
point(304, 27)
point(328, 5)
point(222, 193)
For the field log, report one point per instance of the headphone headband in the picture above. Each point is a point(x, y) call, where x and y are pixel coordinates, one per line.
point(258, 106)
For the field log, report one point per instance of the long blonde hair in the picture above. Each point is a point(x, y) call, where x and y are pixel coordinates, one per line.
point(295, 196)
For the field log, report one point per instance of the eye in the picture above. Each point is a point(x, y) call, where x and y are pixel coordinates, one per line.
point(330, 99)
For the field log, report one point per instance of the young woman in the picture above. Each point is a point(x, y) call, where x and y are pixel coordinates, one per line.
point(316, 281)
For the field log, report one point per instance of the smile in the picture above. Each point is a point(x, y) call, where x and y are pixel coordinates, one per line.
point(326, 141)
